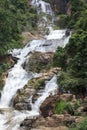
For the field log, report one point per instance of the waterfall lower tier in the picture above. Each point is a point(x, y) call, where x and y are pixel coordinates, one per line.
point(15, 117)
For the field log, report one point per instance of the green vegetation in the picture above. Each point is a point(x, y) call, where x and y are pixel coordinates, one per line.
point(81, 126)
point(69, 107)
point(39, 84)
point(59, 58)
point(60, 107)
point(73, 58)
point(15, 17)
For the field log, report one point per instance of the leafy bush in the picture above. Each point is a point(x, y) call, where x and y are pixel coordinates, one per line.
point(39, 83)
point(70, 108)
point(62, 21)
point(60, 107)
point(59, 58)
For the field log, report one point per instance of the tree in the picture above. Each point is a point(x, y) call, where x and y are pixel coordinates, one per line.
point(15, 17)
point(60, 58)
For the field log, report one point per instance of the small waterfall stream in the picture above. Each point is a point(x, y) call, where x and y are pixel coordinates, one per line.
point(17, 78)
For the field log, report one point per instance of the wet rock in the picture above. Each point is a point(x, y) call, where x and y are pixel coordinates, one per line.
point(47, 107)
point(28, 123)
point(34, 87)
point(23, 106)
point(67, 32)
point(21, 99)
point(35, 97)
point(0, 94)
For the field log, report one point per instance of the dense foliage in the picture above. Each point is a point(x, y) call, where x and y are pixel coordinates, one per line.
point(15, 16)
point(81, 126)
point(73, 58)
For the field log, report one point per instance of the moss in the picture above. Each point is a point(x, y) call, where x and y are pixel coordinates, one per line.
point(38, 62)
point(37, 83)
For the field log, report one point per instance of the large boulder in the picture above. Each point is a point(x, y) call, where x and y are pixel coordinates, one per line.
point(39, 61)
point(21, 99)
point(48, 106)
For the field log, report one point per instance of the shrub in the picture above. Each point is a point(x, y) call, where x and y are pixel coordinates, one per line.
point(60, 107)
point(70, 108)
point(83, 125)
point(39, 83)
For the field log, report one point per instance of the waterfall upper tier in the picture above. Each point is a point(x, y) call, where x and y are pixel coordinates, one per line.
point(42, 6)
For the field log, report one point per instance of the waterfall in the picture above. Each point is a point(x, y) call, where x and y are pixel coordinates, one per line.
point(42, 7)
point(17, 78)
point(18, 117)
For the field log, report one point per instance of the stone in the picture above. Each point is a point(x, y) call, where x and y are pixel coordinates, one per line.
point(39, 61)
point(28, 123)
point(57, 117)
point(66, 97)
point(79, 119)
point(51, 128)
point(21, 99)
point(50, 122)
point(67, 32)
point(23, 106)
point(48, 106)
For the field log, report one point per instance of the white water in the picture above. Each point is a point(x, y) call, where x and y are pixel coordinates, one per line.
point(42, 6)
point(18, 117)
point(50, 88)
point(18, 77)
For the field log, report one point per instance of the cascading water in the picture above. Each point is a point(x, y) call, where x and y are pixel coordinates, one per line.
point(42, 6)
point(17, 77)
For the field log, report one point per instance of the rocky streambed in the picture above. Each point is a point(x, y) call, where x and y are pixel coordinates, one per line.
point(49, 119)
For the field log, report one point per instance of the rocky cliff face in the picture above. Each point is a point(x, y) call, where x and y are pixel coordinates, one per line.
point(61, 6)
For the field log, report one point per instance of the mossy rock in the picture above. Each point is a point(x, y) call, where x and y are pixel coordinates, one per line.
point(39, 61)
point(37, 83)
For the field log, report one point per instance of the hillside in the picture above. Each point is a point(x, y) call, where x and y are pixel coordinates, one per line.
point(43, 64)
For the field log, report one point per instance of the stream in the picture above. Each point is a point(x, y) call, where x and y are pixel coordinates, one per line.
point(10, 119)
